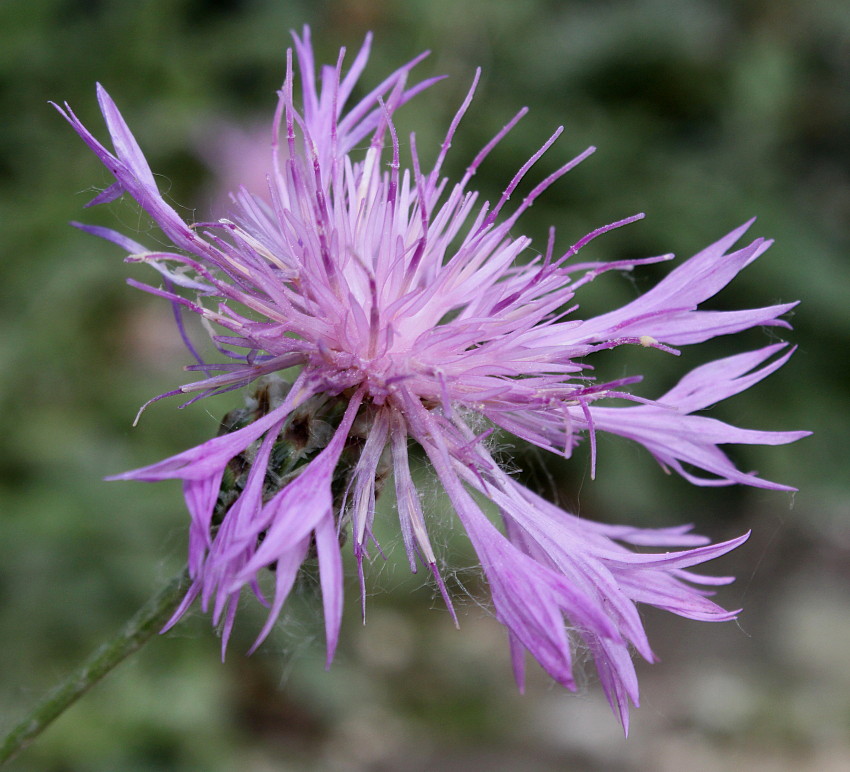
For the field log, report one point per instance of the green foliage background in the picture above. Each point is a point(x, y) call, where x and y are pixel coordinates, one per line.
point(705, 113)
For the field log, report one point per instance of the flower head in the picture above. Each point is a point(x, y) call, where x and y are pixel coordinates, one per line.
point(410, 311)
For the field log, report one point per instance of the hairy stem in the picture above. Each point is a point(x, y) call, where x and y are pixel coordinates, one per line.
point(145, 623)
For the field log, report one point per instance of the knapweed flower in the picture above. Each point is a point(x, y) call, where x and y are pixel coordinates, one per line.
point(404, 309)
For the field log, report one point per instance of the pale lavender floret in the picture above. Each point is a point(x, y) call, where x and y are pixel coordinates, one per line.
point(411, 303)
point(667, 312)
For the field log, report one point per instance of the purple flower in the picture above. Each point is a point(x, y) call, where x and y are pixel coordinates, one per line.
point(409, 310)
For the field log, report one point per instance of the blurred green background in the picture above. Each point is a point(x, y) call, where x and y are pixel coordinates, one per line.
point(705, 114)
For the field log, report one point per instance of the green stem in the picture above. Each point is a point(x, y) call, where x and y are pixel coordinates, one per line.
point(147, 621)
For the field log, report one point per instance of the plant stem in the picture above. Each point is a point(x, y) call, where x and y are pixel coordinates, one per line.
point(145, 623)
